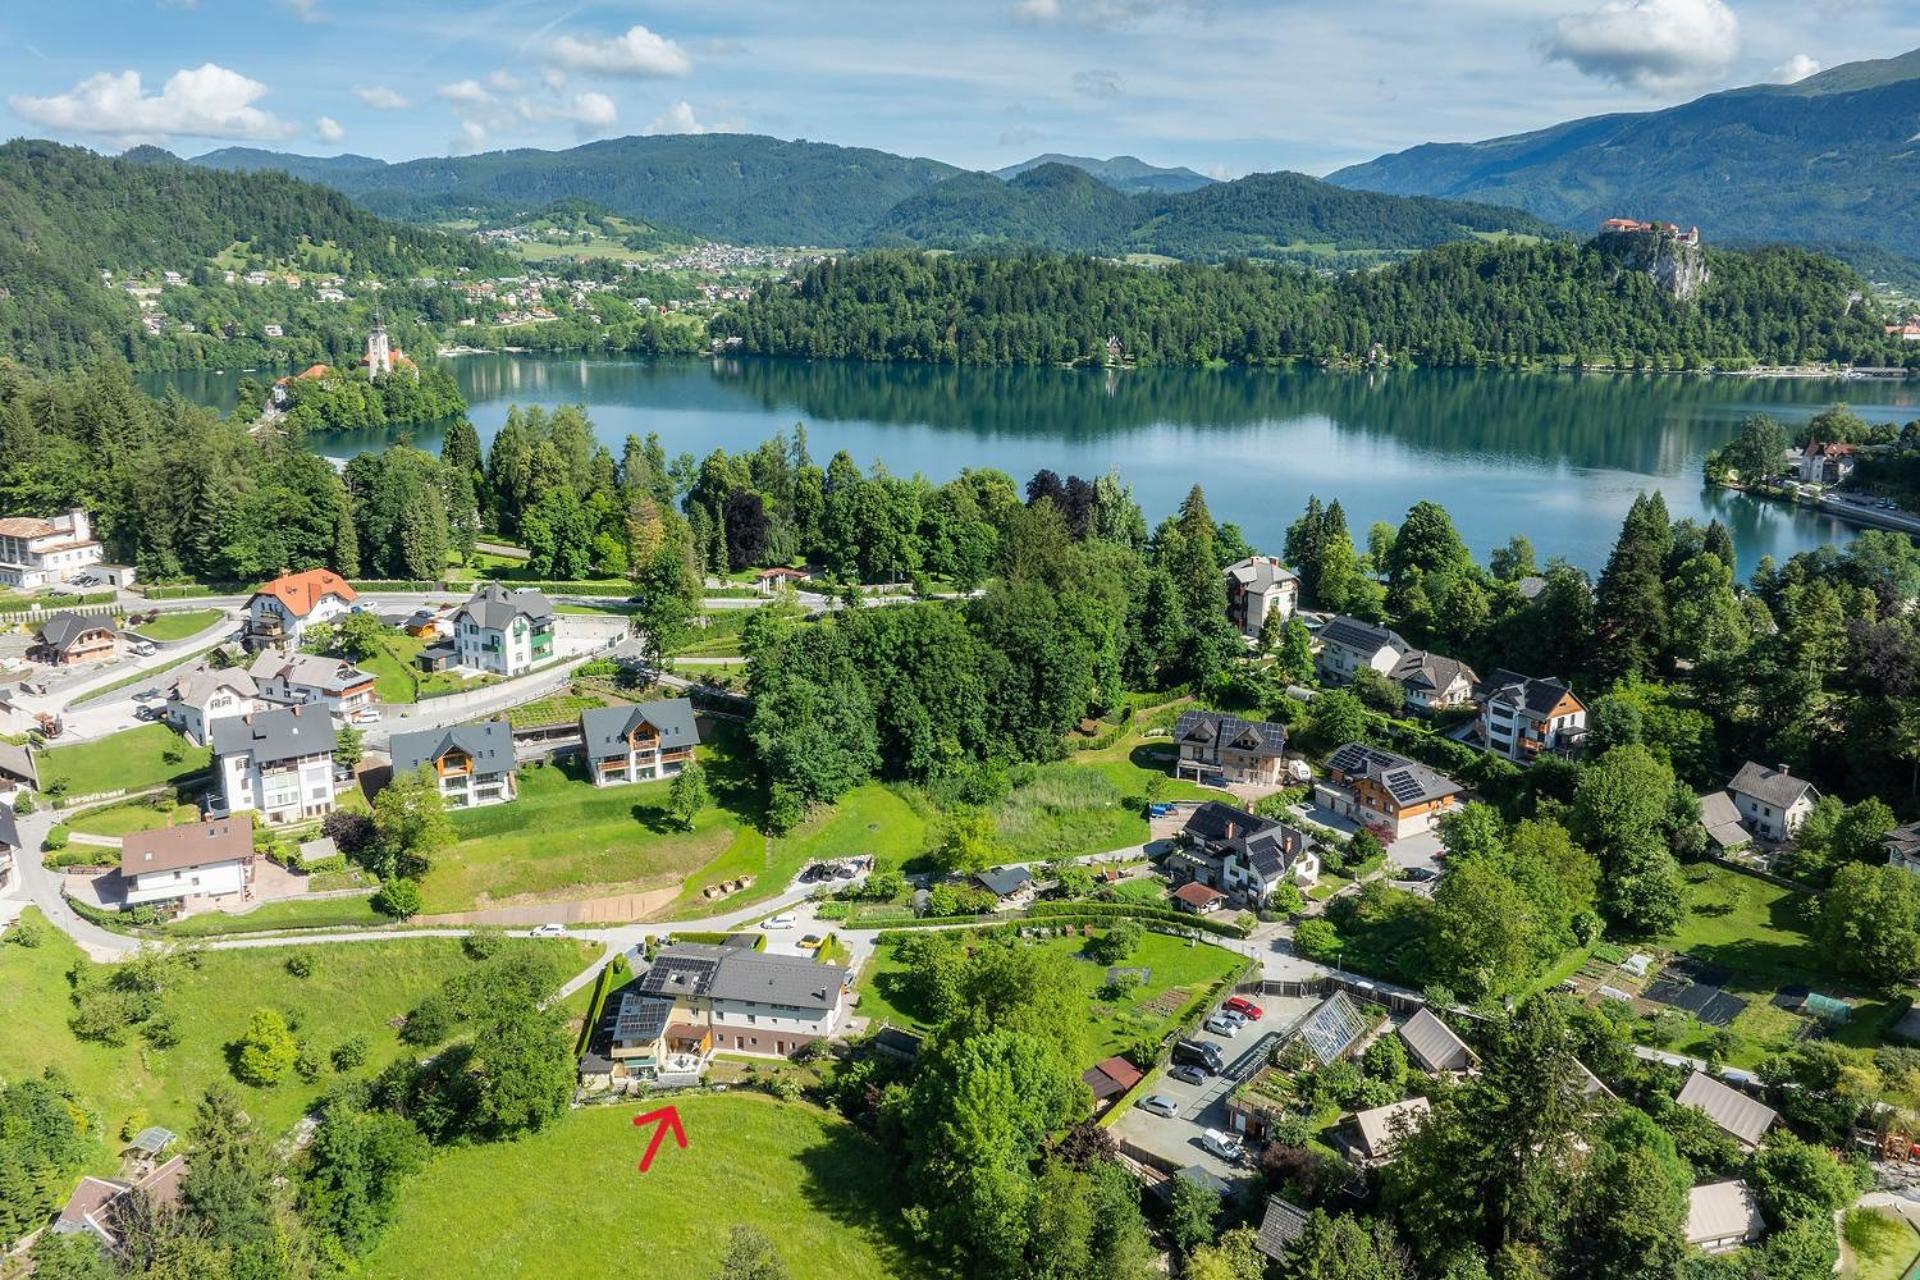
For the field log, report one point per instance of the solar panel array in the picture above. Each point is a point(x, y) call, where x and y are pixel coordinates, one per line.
point(1330, 1030)
point(641, 1018)
point(1404, 786)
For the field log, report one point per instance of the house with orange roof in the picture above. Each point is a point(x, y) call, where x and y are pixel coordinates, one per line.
point(279, 612)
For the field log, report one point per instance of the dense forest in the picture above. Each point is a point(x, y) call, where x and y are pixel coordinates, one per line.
point(1459, 304)
point(1267, 215)
point(67, 215)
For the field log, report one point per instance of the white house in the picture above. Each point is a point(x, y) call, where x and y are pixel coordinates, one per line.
point(1348, 644)
point(640, 743)
point(1523, 718)
point(696, 999)
point(279, 763)
point(472, 764)
point(1772, 802)
point(1257, 587)
point(1432, 682)
point(297, 679)
point(504, 632)
point(279, 612)
point(202, 696)
point(197, 860)
point(44, 553)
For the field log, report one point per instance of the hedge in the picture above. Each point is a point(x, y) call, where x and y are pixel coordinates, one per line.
point(399, 584)
point(190, 591)
point(1110, 910)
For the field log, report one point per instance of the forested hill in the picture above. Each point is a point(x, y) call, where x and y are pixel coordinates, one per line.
point(742, 188)
point(67, 214)
point(1268, 215)
point(1830, 160)
point(1460, 304)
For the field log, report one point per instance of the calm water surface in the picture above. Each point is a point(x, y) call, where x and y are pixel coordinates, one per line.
point(1556, 457)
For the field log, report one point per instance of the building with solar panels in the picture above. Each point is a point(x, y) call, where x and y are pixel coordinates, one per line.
point(695, 1000)
point(1384, 792)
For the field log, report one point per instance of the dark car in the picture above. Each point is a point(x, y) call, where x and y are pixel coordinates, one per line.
point(1422, 874)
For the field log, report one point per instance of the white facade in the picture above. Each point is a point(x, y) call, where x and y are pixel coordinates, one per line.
point(1769, 821)
point(194, 719)
point(300, 679)
point(214, 880)
point(278, 790)
point(741, 1026)
point(44, 553)
point(270, 620)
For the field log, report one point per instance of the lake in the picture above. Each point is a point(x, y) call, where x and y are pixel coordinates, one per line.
point(1557, 457)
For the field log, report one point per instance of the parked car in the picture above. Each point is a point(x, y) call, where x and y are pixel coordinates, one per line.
point(141, 648)
point(548, 930)
point(811, 941)
point(1160, 1105)
point(1187, 1073)
point(1422, 874)
point(146, 711)
point(1245, 1008)
point(1222, 1025)
point(1234, 1016)
point(1224, 1145)
point(365, 715)
point(1199, 1053)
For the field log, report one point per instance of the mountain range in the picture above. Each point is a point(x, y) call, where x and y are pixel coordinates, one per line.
point(1831, 161)
point(1123, 173)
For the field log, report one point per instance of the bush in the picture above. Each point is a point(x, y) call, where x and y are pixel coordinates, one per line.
point(26, 931)
point(162, 1030)
point(300, 964)
point(57, 839)
point(351, 1054)
point(1317, 940)
point(308, 1063)
point(399, 899)
point(266, 1051)
point(1116, 944)
point(24, 804)
point(431, 1021)
point(482, 946)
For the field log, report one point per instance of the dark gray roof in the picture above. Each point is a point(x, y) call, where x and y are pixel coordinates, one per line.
point(1258, 573)
point(1217, 821)
point(1425, 670)
point(494, 607)
point(1274, 851)
point(1776, 787)
point(9, 828)
point(685, 969)
point(641, 1018)
point(1216, 729)
point(1531, 586)
point(63, 630)
point(1284, 1224)
point(489, 742)
point(1905, 841)
point(1721, 818)
point(1745, 1117)
point(606, 729)
point(1002, 881)
point(276, 735)
point(19, 763)
point(794, 982)
point(1407, 781)
point(1352, 633)
point(1536, 695)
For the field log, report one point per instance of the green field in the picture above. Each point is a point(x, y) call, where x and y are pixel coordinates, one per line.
point(564, 837)
point(131, 761)
point(569, 1203)
point(125, 819)
point(169, 627)
point(1187, 969)
point(288, 913)
point(355, 989)
point(397, 680)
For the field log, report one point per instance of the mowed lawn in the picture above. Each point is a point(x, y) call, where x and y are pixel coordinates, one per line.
point(130, 760)
point(355, 989)
point(565, 837)
point(571, 1204)
point(169, 627)
point(125, 819)
point(1180, 974)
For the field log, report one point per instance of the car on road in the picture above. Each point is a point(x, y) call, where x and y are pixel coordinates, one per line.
point(1187, 1073)
point(1422, 874)
point(146, 711)
point(1224, 1145)
point(548, 930)
point(782, 921)
point(147, 695)
point(365, 715)
point(1245, 1008)
point(811, 941)
point(1222, 1026)
point(141, 648)
point(1160, 1105)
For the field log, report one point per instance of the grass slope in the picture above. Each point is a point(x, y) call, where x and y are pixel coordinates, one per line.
point(169, 627)
point(129, 761)
point(564, 1204)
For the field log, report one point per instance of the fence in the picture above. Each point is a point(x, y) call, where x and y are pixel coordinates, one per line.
point(48, 615)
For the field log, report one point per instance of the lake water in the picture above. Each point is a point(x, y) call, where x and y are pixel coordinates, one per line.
point(1556, 457)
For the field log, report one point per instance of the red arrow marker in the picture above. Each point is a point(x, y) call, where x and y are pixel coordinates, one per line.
point(669, 1120)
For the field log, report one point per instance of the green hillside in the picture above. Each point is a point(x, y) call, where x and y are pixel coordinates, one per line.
point(1123, 173)
point(1269, 215)
point(67, 214)
point(741, 188)
point(1833, 160)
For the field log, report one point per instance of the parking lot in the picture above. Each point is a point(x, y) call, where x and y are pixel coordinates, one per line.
point(1204, 1106)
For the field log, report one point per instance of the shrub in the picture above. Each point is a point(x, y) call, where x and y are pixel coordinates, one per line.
point(26, 932)
point(130, 1127)
point(482, 946)
point(24, 804)
point(431, 1021)
point(308, 1063)
point(267, 1049)
point(350, 1054)
point(300, 964)
point(162, 1030)
point(1116, 944)
point(399, 899)
point(57, 839)
point(1317, 940)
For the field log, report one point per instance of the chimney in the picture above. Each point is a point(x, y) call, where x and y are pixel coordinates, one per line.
point(1233, 830)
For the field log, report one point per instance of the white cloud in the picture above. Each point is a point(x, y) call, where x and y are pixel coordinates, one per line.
point(329, 129)
point(1096, 83)
point(1649, 44)
point(208, 102)
point(554, 78)
point(470, 92)
point(305, 10)
point(505, 81)
point(1100, 13)
point(589, 113)
point(381, 98)
point(637, 53)
point(679, 118)
point(472, 137)
point(1795, 69)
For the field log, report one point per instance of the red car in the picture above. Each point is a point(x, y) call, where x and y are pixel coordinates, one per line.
point(1244, 1007)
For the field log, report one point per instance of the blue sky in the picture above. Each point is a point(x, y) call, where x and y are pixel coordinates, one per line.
point(1225, 86)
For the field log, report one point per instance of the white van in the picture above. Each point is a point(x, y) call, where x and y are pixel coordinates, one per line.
point(1224, 1145)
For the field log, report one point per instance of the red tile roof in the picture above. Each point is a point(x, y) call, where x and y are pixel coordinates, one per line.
point(1195, 894)
point(299, 592)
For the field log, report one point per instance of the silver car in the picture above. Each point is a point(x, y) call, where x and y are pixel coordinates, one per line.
point(1160, 1105)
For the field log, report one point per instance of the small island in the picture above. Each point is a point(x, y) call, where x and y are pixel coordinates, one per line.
point(387, 387)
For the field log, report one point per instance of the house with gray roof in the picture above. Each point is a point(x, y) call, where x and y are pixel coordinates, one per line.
point(1903, 848)
point(1772, 802)
point(709, 999)
point(1746, 1118)
point(1720, 818)
point(204, 695)
point(298, 678)
point(1433, 1046)
point(1525, 717)
point(1723, 1216)
point(1260, 587)
point(471, 764)
point(504, 632)
point(276, 763)
point(1433, 681)
point(1236, 852)
point(1373, 1139)
point(641, 743)
point(9, 842)
point(69, 639)
point(1280, 1228)
point(1217, 748)
point(1385, 792)
point(1347, 645)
